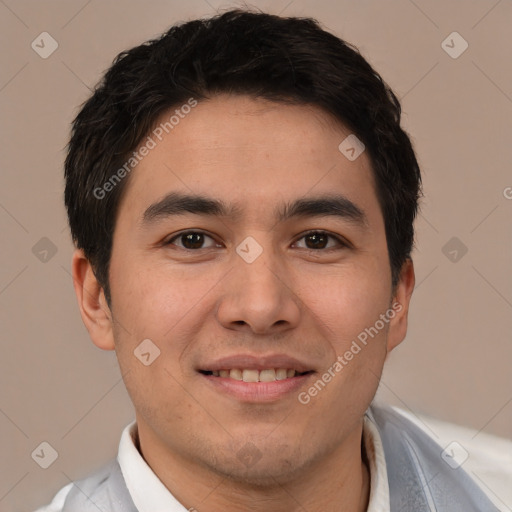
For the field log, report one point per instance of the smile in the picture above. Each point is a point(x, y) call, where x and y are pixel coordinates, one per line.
point(252, 375)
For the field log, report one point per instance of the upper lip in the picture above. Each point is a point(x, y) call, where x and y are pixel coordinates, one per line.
point(253, 362)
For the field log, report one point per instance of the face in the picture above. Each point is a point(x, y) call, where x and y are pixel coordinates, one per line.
point(252, 254)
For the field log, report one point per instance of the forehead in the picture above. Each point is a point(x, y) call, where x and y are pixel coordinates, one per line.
point(248, 152)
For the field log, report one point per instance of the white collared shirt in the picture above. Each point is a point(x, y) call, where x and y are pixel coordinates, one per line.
point(150, 495)
point(491, 458)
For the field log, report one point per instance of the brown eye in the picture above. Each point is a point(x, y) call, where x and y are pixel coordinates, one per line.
point(192, 240)
point(319, 240)
point(316, 241)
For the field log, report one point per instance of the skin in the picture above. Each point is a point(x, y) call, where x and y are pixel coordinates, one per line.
point(199, 305)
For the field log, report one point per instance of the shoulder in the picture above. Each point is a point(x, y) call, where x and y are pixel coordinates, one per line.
point(57, 503)
point(485, 458)
point(88, 487)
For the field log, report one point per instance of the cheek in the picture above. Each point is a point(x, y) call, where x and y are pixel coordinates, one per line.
point(349, 310)
point(153, 301)
point(347, 302)
point(349, 316)
point(151, 332)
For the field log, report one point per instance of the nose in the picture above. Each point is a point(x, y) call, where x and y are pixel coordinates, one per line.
point(258, 297)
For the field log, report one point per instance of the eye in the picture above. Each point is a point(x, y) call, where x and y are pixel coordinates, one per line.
point(315, 240)
point(191, 240)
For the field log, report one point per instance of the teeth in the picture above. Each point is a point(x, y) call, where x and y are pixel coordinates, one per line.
point(236, 374)
point(267, 375)
point(281, 374)
point(250, 375)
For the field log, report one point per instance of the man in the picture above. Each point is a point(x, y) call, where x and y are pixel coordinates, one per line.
point(242, 200)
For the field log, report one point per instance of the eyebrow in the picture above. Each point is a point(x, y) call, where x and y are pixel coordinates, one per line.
point(176, 203)
point(335, 205)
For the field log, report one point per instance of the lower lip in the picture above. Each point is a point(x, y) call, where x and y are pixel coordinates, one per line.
point(258, 391)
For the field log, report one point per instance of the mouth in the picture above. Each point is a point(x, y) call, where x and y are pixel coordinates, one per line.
point(254, 379)
point(251, 375)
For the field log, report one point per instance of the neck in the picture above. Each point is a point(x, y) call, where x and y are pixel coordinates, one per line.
point(340, 479)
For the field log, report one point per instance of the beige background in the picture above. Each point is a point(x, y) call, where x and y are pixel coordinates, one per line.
point(455, 364)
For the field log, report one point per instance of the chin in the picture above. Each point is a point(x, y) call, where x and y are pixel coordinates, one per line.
point(262, 476)
point(266, 467)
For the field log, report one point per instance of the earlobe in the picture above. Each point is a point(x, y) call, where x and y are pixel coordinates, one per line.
point(94, 309)
point(400, 304)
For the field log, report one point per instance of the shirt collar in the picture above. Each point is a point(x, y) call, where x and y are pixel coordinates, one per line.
point(149, 494)
point(379, 486)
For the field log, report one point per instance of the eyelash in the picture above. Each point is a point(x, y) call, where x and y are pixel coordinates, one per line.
point(341, 243)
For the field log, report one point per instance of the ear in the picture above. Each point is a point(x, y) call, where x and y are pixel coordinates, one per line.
point(94, 309)
point(400, 304)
